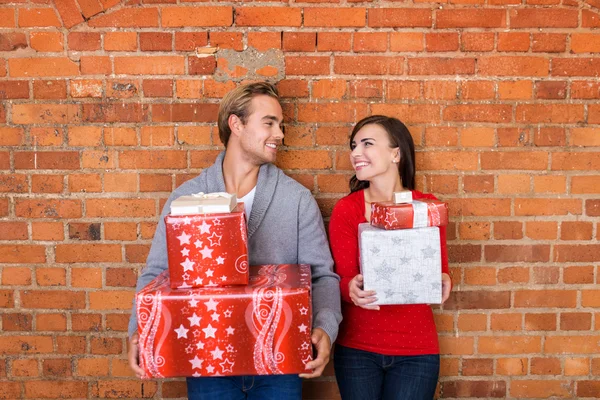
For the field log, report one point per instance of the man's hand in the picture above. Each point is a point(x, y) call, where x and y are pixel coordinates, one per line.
point(361, 297)
point(322, 343)
point(446, 286)
point(133, 355)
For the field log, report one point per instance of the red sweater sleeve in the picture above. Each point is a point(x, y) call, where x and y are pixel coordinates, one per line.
point(343, 237)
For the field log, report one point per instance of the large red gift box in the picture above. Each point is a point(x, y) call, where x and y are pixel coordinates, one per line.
point(415, 214)
point(260, 329)
point(207, 249)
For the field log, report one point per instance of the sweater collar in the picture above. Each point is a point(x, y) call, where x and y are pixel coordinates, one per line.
point(265, 189)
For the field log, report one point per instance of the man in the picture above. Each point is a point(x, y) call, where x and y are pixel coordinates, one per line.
point(284, 227)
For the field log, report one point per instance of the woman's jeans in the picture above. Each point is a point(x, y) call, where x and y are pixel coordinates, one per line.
point(363, 375)
point(260, 387)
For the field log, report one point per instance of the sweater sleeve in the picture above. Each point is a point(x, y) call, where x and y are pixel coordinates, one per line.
point(314, 250)
point(343, 237)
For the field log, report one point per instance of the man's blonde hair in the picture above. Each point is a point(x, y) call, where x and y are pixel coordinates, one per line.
point(237, 102)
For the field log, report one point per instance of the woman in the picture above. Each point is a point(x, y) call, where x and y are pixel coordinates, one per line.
point(387, 352)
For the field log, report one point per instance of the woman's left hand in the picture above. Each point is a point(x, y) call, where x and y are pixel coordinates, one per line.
point(446, 286)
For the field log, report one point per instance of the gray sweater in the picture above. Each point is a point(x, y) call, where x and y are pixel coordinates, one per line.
point(285, 227)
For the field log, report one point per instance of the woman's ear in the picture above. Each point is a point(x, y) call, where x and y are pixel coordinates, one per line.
point(396, 159)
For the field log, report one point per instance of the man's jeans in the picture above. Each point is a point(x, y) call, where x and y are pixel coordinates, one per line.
point(260, 387)
point(363, 375)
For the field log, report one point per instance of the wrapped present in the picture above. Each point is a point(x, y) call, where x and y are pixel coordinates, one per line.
point(260, 329)
point(207, 249)
point(403, 266)
point(204, 203)
point(403, 196)
point(416, 214)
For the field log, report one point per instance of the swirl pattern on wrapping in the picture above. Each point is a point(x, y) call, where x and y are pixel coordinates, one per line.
point(267, 302)
point(434, 215)
point(241, 264)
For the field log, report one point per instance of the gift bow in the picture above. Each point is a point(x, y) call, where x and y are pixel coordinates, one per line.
point(214, 195)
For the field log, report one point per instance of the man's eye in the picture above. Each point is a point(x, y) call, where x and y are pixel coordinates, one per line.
point(269, 123)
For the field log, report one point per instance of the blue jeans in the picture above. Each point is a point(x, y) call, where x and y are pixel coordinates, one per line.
point(365, 375)
point(259, 387)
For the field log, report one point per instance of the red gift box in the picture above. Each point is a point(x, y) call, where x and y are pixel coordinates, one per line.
point(207, 249)
point(260, 329)
point(416, 214)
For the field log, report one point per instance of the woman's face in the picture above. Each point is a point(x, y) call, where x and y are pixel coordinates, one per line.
point(372, 155)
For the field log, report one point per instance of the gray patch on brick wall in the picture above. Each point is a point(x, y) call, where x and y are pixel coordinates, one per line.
point(252, 60)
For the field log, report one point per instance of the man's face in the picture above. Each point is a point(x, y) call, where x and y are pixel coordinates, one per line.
point(262, 134)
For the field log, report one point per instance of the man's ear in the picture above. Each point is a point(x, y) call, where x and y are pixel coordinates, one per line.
point(235, 124)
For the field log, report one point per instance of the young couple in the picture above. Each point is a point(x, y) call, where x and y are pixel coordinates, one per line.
point(387, 353)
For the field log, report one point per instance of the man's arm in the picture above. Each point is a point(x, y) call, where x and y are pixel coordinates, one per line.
point(313, 249)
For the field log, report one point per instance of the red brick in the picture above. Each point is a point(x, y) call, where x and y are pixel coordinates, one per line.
point(123, 389)
point(368, 65)
point(95, 65)
point(47, 41)
point(51, 277)
point(11, 41)
point(42, 66)
point(56, 389)
point(575, 66)
point(182, 112)
point(587, 388)
point(513, 66)
point(227, 40)
point(34, 17)
point(516, 253)
point(51, 299)
point(338, 17)
point(263, 41)
point(334, 41)
point(370, 42)
point(477, 41)
point(156, 41)
point(543, 18)
point(53, 231)
point(127, 18)
point(69, 12)
point(84, 41)
point(399, 17)
point(331, 112)
point(111, 300)
point(7, 18)
point(157, 87)
point(590, 19)
point(475, 18)
point(57, 367)
point(554, 90)
point(47, 183)
point(145, 65)
point(120, 207)
point(576, 253)
point(441, 42)
point(473, 300)
point(90, 8)
point(366, 89)
point(441, 66)
point(585, 184)
point(114, 112)
point(549, 43)
point(120, 41)
point(513, 41)
point(575, 322)
point(18, 276)
point(25, 344)
point(51, 208)
point(189, 41)
point(552, 113)
point(269, 16)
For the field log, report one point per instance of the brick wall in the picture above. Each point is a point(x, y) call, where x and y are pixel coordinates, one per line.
point(106, 107)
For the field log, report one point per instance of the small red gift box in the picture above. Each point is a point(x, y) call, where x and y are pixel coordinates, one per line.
point(207, 249)
point(416, 214)
point(260, 329)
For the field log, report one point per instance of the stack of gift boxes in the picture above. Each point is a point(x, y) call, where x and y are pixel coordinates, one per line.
point(211, 314)
point(400, 252)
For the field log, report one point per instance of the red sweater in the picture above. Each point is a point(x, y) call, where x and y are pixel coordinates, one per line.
point(394, 329)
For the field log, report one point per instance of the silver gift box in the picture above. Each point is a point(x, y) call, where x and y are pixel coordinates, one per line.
point(403, 266)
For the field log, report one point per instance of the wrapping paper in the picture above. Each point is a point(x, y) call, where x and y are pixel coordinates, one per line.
point(416, 214)
point(403, 266)
point(207, 249)
point(260, 329)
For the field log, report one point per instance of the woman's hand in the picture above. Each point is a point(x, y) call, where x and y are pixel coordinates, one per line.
point(446, 286)
point(361, 297)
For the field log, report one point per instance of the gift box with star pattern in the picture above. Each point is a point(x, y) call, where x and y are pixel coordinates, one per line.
point(260, 329)
point(410, 214)
point(207, 249)
point(403, 266)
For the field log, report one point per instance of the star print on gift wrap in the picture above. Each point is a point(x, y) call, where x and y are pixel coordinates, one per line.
point(429, 252)
point(181, 332)
point(226, 366)
point(194, 320)
point(215, 240)
point(384, 272)
point(184, 238)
